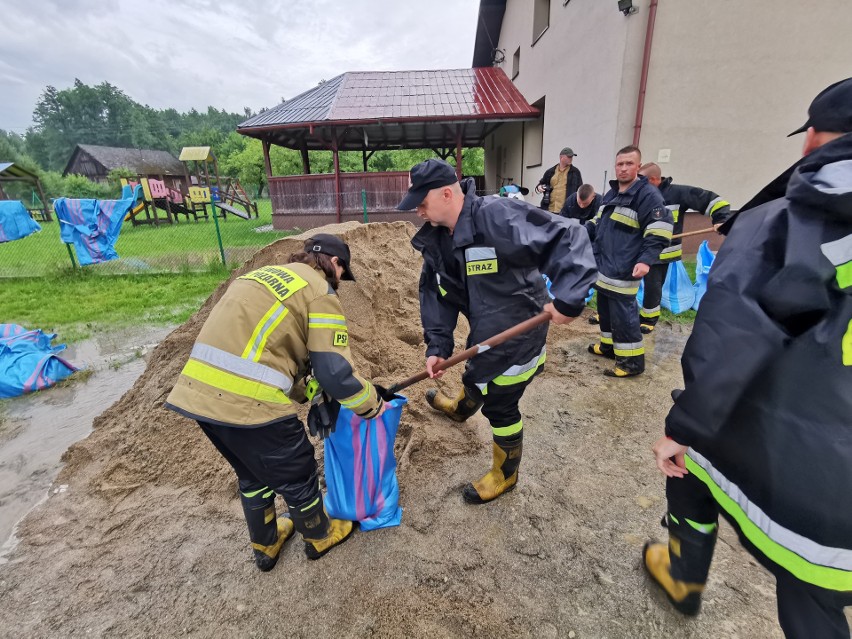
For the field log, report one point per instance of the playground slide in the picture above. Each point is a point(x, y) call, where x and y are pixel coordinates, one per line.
point(233, 211)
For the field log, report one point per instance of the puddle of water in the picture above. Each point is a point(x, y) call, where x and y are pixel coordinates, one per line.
point(40, 427)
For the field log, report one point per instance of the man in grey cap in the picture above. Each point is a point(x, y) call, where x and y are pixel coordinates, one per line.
point(762, 432)
point(484, 258)
point(560, 181)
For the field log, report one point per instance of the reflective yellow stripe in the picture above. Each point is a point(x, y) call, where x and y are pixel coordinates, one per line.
point(254, 493)
point(511, 429)
point(325, 316)
point(508, 380)
point(606, 340)
point(819, 575)
point(846, 345)
point(844, 275)
point(442, 291)
point(650, 313)
point(233, 383)
point(360, 399)
point(617, 289)
point(672, 252)
point(257, 329)
point(481, 267)
point(707, 529)
point(629, 352)
point(267, 333)
point(311, 505)
point(660, 232)
point(618, 217)
point(718, 206)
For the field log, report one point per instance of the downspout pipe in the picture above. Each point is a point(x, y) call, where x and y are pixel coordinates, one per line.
point(646, 64)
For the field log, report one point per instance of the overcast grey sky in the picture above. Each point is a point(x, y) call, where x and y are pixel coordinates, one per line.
point(226, 53)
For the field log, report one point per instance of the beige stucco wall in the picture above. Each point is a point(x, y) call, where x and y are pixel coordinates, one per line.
point(728, 80)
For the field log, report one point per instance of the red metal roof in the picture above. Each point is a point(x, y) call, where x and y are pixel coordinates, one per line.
point(484, 93)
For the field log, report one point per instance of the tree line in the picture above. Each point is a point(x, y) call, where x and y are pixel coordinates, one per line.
point(104, 115)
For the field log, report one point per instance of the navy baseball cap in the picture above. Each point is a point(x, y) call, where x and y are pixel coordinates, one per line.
point(428, 175)
point(333, 246)
point(831, 110)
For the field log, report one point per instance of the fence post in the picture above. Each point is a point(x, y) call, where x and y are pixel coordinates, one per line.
point(71, 255)
point(364, 203)
point(218, 232)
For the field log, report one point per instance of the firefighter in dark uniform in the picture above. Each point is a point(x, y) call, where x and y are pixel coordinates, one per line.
point(484, 258)
point(679, 198)
point(245, 375)
point(763, 430)
point(629, 231)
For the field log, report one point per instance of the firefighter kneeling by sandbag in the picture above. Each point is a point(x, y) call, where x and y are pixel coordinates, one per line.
point(245, 375)
point(484, 258)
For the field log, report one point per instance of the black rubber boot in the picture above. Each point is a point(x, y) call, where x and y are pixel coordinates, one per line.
point(627, 366)
point(681, 568)
point(503, 476)
point(267, 533)
point(459, 409)
point(319, 532)
point(602, 350)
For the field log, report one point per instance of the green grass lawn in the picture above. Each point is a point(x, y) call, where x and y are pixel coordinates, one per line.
point(166, 248)
point(77, 305)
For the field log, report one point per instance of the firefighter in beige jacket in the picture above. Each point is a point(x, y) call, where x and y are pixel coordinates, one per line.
point(273, 328)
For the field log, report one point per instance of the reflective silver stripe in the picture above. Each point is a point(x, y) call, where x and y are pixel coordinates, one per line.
point(239, 366)
point(673, 207)
point(631, 284)
point(839, 558)
point(605, 334)
point(317, 322)
point(520, 369)
point(626, 212)
point(675, 249)
point(656, 309)
point(262, 334)
point(665, 226)
point(482, 387)
point(480, 253)
point(627, 346)
point(838, 252)
point(710, 206)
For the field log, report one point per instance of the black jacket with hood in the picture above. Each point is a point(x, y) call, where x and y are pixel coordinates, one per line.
point(767, 407)
point(490, 270)
point(681, 198)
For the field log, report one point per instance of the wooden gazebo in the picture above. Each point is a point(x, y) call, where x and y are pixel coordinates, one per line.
point(446, 111)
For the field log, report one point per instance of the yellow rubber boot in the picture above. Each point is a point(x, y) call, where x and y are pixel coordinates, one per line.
point(267, 556)
point(458, 409)
point(338, 532)
point(503, 475)
point(319, 533)
point(685, 597)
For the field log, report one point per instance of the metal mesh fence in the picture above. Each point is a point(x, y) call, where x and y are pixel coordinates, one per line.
point(177, 243)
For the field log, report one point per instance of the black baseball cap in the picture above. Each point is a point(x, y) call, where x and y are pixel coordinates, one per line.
point(831, 110)
point(428, 175)
point(334, 246)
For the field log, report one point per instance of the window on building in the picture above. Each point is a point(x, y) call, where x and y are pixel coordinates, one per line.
point(516, 63)
point(541, 18)
point(534, 138)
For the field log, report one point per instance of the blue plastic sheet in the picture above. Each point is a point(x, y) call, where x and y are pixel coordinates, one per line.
point(92, 226)
point(360, 468)
point(678, 292)
point(28, 362)
point(15, 221)
point(704, 260)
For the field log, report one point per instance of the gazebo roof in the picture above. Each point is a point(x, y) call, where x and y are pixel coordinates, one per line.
point(15, 171)
point(394, 109)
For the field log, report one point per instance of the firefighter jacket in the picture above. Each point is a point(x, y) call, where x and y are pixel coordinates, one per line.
point(681, 198)
point(572, 209)
point(630, 227)
point(767, 408)
point(490, 270)
point(263, 336)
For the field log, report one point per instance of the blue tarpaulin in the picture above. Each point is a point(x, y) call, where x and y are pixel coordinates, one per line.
point(703, 262)
point(15, 221)
point(360, 468)
point(92, 226)
point(28, 362)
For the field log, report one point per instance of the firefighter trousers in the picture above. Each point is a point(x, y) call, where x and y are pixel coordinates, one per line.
point(277, 456)
point(804, 611)
point(649, 314)
point(620, 333)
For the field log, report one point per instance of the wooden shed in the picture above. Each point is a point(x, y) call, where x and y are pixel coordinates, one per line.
point(95, 163)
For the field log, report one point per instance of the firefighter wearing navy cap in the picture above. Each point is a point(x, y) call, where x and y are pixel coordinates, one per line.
point(272, 328)
point(763, 430)
point(629, 231)
point(484, 258)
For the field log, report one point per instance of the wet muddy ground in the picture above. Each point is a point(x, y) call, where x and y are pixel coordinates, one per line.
point(148, 538)
point(38, 428)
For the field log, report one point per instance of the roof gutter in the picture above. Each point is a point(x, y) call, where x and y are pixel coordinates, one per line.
point(646, 65)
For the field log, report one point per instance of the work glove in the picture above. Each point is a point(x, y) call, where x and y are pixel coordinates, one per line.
point(322, 417)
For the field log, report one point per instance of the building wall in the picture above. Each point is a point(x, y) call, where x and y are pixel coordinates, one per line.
point(728, 80)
